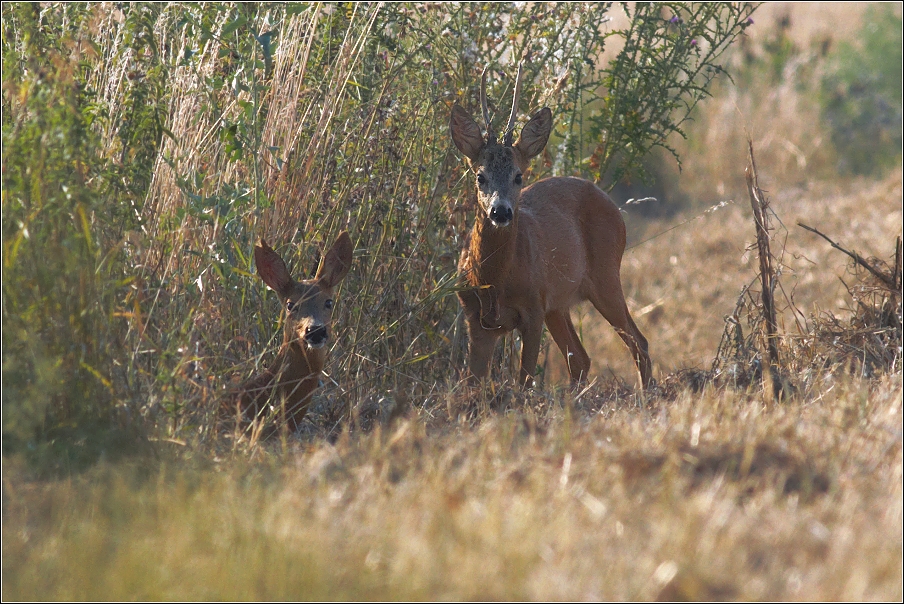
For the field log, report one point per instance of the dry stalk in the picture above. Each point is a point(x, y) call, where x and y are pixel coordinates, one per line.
point(760, 205)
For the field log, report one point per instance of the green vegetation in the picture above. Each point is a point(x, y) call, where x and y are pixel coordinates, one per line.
point(861, 94)
point(822, 105)
point(147, 147)
point(66, 198)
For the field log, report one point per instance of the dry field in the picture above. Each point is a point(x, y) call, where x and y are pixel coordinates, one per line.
point(589, 494)
point(695, 491)
point(688, 280)
point(706, 497)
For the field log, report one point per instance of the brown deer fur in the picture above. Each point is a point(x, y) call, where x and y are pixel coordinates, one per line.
point(295, 372)
point(533, 254)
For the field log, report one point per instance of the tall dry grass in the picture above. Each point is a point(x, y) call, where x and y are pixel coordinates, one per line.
point(342, 127)
point(323, 144)
point(404, 483)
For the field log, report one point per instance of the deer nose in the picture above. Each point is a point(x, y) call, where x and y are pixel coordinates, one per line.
point(315, 335)
point(501, 215)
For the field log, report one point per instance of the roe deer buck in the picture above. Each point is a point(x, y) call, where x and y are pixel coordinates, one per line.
point(295, 373)
point(533, 254)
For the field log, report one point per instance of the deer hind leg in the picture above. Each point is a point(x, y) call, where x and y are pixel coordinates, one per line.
point(610, 302)
point(566, 338)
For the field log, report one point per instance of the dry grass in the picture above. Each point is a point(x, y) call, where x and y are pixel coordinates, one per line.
point(682, 283)
point(772, 100)
point(432, 491)
point(689, 279)
point(710, 496)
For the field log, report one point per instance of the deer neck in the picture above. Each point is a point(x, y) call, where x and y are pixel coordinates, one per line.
point(302, 360)
point(295, 364)
point(492, 252)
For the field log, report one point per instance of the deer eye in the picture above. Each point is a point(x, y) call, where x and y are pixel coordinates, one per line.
point(481, 179)
point(328, 304)
point(517, 179)
point(290, 305)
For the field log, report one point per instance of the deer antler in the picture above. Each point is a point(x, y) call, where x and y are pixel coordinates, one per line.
point(491, 136)
point(509, 131)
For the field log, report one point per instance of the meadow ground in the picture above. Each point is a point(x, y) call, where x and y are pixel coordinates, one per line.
point(709, 496)
point(698, 490)
point(596, 493)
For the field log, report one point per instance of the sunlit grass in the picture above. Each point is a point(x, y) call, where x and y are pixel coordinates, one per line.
point(709, 496)
point(403, 483)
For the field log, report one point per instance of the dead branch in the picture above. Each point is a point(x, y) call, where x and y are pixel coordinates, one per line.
point(760, 204)
point(889, 281)
point(897, 272)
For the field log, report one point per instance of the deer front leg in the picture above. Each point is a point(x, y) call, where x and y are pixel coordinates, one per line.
point(481, 343)
point(530, 351)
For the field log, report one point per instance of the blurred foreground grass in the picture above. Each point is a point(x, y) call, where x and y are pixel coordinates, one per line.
point(710, 496)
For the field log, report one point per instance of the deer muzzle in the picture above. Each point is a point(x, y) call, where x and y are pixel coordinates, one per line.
point(316, 336)
point(501, 214)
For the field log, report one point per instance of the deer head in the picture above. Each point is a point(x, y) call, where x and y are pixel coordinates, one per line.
point(499, 168)
point(308, 303)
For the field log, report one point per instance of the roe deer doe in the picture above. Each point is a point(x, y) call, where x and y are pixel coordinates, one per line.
point(533, 254)
point(295, 373)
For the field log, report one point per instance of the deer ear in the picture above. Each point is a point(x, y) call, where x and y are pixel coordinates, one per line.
point(466, 133)
point(336, 262)
point(272, 269)
point(535, 134)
